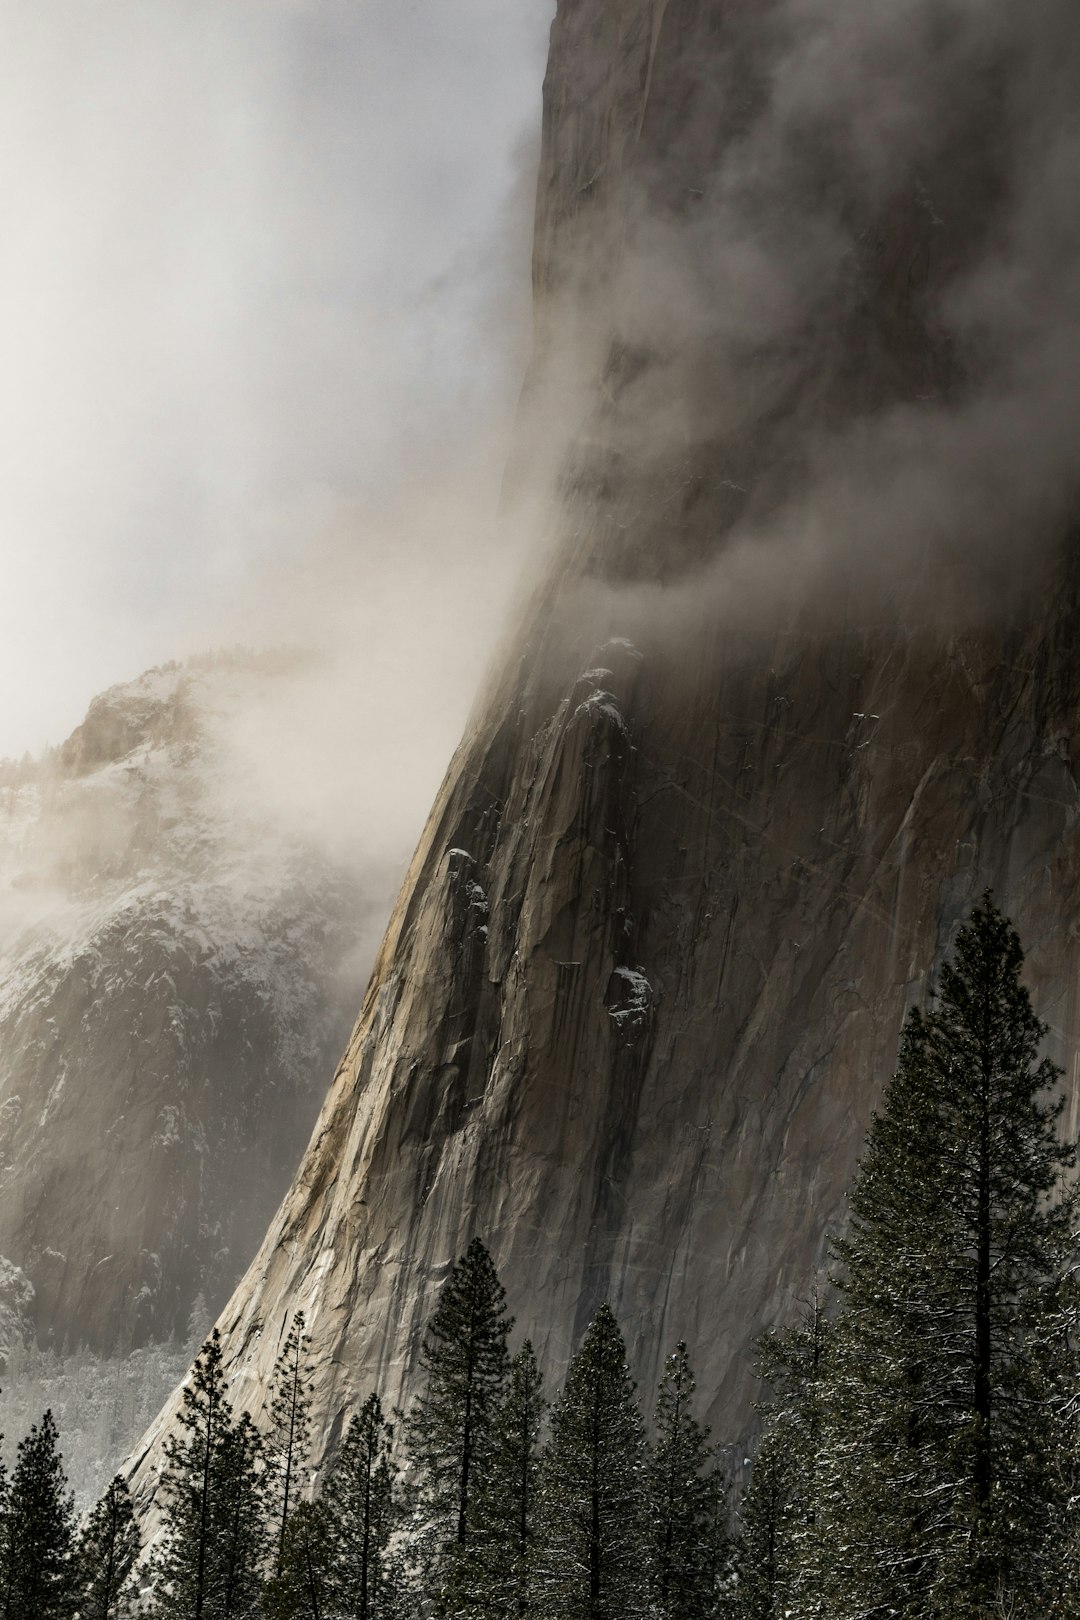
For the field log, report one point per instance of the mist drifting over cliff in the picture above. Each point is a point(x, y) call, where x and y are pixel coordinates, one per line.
point(821, 157)
point(264, 302)
point(264, 261)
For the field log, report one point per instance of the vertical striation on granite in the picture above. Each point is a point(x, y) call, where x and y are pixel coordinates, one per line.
point(645, 977)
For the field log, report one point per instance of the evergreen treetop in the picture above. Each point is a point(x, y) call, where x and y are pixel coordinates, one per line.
point(687, 1501)
point(211, 1562)
point(780, 1547)
point(593, 1561)
point(492, 1574)
point(303, 1585)
point(951, 1373)
point(464, 1364)
point(108, 1550)
point(290, 1421)
point(38, 1573)
point(362, 1512)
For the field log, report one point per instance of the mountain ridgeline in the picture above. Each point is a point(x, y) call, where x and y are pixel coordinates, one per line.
point(802, 681)
point(173, 968)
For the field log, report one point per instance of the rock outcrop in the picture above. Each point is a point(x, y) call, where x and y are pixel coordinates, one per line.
point(171, 978)
point(646, 975)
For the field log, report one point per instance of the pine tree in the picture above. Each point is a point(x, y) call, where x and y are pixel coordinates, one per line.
point(304, 1585)
point(763, 1550)
point(361, 1504)
point(215, 1532)
point(464, 1365)
point(687, 1503)
point(6, 1567)
point(952, 1376)
point(109, 1547)
point(239, 1522)
point(492, 1574)
point(37, 1580)
point(186, 1569)
point(780, 1547)
point(592, 1561)
point(290, 1422)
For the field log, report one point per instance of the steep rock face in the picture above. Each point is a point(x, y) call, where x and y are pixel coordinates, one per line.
point(646, 974)
point(171, 978)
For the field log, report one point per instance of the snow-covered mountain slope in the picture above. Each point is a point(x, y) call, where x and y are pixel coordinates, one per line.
point(177, 968)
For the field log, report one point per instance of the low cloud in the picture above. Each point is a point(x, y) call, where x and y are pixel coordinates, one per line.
point(840, 333)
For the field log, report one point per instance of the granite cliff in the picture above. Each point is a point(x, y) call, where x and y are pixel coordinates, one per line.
point(803, 678)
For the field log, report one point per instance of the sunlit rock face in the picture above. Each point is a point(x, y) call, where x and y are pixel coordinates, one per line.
point(173, 972)
point(698, 851)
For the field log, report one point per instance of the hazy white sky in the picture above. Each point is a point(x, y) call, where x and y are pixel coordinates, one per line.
point(255, 253)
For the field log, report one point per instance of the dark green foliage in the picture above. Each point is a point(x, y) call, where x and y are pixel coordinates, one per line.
point(289, 1441)
point(215, 1532)
point(592, 1561)
point(37, 1574)
point(360, 1494)
point(780, 1546)
point(304, 1585)
point(951, 1374)
point(765, 1571)
point(492, 1574)
point(108, 1548)
point(239, 1521)
point(691, 1549)
point(464, 1365)
point(186, 1572)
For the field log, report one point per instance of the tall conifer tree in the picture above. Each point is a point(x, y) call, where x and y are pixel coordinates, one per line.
point(37, 1581)
point(687, 1502)
point(185, 1574)
point(215, 1532)
point(764, 1548)
point(952, 1378)
point(109, 1546)
point(592, 1562)
point(780, 1549)
point(304, 1586)
point(240, 1528)
point(290, 1422)
point(492, 1576)
point(464, 1364)
point(360, 1494)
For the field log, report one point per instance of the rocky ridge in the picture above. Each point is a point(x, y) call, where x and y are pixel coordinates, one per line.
point(645, 977)
point(174, 970)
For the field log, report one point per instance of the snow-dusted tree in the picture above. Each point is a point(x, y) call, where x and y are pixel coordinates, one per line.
point(951, 1375)
point(464, 1365)
point(779, 1546)
point(491, 1576)
point(360, 1497)
point(592, 1559)
point(187, 1568)
point(109, 1546)
point(691, 1547)
point(241, 1527)
point(37, 1576)
point(215, 1530)
point(763, 1548)
point(304, 1586)
point(290, 1423)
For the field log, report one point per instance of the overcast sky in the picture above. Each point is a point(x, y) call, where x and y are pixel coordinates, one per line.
point(256, 256)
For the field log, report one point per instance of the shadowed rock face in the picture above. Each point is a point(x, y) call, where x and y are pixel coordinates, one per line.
point(646, 975)
point(163, 1006)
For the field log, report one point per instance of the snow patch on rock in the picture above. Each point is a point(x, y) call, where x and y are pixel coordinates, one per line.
point(630, 999)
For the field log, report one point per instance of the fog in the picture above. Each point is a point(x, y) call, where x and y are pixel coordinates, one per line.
point(266, 308)
point(849, 288)
point(265, 264)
